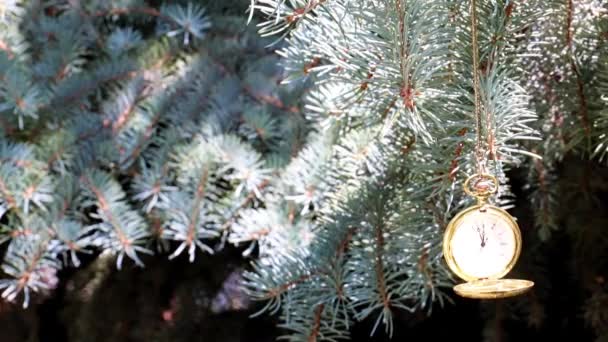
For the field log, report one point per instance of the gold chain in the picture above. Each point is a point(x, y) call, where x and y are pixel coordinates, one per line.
point(479, 154)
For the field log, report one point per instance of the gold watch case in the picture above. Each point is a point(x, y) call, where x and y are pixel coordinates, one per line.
point(493, 286)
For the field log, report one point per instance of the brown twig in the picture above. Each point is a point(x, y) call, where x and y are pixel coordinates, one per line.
point(457, 153)
point(542, 187)
point(316, 323)
point(407, 91)
point(271, 100)
point(195, 211)
point(580, 90)
point(299, 13)
point(274, 292)
point(389, 107)
point(379, 266)
point(569, 19)
point(423, 268)
point(102, 203)
point(308, 66)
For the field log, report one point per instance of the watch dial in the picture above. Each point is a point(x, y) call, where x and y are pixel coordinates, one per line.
point(484, 243)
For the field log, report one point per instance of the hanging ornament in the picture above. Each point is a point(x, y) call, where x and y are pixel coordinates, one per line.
point(482, 243)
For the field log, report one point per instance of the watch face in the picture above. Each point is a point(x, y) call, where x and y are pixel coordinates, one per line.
point(482, 243)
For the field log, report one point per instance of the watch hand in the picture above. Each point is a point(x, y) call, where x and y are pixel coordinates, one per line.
point(484, 239)
point(482, 235)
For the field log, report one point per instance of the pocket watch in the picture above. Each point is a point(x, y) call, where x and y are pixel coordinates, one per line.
point(482, 244)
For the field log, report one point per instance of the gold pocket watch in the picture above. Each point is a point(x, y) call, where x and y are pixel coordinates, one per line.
point(482, 244)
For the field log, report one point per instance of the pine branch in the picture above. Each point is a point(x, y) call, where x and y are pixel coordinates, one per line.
point(251, 196)
point(273, 101)
point(379, 267)
point(24, 278)
point(127, 105)
point(120, 230)
point(582, 110)
point(407, 89)
point(32, 268)
point(76, 93)
point(286, 18)
point(195, 212)
point(282, 288)
point(569, 29)
point(261, 98)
